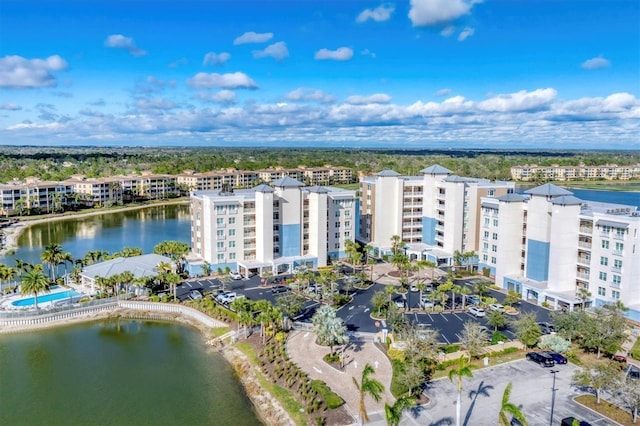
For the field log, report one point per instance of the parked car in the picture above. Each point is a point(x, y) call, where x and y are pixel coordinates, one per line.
point(400, 303)
point(557, 358)
point(195, 294)
point(478, 312)
point(426, 303)
point(235, 275)
point(279, 289)
point(546, 328)
point(619, 358)
point(540, 358)
point(473, 300)
point(496, 307)
point(633, 372)
point(226, 297)
point(570, 421)
point(314, 288)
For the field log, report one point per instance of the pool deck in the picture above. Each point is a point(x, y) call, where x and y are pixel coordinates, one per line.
point(6, 302)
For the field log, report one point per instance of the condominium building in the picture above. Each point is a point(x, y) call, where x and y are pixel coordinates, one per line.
point(556, 249)
point(555, 172)
point(271, 228)
point(435, 214)
point(32, 194)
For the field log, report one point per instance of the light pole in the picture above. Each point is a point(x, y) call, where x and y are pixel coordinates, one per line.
point(553, 395)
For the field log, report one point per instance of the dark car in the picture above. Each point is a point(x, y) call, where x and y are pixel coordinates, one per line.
point(569, 421)
point(279, 289)
point(546, 328)
point(557, 358)
point(541, 358)
point(619, 358)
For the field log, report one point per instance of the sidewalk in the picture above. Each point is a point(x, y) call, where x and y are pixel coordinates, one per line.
point(303, 350)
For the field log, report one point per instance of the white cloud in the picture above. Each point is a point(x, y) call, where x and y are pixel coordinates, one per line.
point(252, 37)
point(519, 101)
point(596, 63)
point(466, 33)
point(10, 107)
point(309, 95)
point(277, 51)
point(213, 58)
point(340, 54)
point(220, 97)
point(379, 14)
point(19, 72)
point(443, 92)
point(448, 31)
point(154, 104)
point(378, 98)
point(236, 80)
point(367, 52)
point(119, 41)
point(438, 12)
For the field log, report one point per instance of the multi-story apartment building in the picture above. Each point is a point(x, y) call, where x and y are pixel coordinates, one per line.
point(559, 173)
point(19, 196)
point(554, 248)
point(435, 214)
point(271, 228)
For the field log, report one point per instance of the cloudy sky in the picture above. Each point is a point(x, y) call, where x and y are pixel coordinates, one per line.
point(414, 74)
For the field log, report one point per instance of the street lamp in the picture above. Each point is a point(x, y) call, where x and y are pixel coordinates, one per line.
point(553, 395)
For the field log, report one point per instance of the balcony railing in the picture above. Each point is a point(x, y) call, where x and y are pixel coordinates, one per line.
point(618, 252)
point(584, 260)
point(618, 236)
point(584, 244)
point(616, 269)
point(586, 230)
point(583, 275)
point(614, 284)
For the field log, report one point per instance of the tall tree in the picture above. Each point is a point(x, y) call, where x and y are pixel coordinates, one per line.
point(508, 407)
point(473, 339)
point(458, 372)
point(52, 255)
point(393, 413)
point(367, 386)
point(34, 282)
point(527, 329)
point(329, 329)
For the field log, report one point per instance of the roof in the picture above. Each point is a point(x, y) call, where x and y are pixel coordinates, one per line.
point(318, 189)
point(456, 178)
point(140, 266)
point(436, 169)
point(512, 198)
point(611, 223)
point(287, 182)
point(567, 200)
point(548, 190)
point(387, 173)
point(263, 188)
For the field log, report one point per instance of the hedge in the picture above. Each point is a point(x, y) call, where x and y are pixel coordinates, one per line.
point(332, 399)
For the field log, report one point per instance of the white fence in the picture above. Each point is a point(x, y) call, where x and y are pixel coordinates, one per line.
point(51, 317)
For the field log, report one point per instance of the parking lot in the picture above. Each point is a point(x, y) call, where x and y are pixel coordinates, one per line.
point(482, 395)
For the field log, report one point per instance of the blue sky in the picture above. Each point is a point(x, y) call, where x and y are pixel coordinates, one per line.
point(413, 74)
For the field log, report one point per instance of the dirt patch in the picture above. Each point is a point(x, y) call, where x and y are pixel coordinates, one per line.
point(398, 274)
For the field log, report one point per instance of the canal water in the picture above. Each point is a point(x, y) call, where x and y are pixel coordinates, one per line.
point(118, 372)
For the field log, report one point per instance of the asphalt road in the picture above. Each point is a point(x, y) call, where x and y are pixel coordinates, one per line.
point(357, 313)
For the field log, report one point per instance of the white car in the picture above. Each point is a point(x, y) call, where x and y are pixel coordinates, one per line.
point(478, 312)
point(235, 275)
point(195, 294)
point(496, 307)
point(426, 303)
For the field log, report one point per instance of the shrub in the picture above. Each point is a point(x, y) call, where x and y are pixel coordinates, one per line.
point(332, 399)
point(635, 350)
point(449, 349)
point(332, 357)
point(154, 298)
point(554, 342)
point(498, 337)
point(396, 354)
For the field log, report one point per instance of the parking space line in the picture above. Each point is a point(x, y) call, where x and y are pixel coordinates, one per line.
point(456, 315)
point(189, 284)
point(445, 338)
point(444, 317)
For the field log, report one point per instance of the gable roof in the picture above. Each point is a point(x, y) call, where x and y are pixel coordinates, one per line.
point(548, 190)
point(287, 182)
point(318, 189)
point(567, 200)
point(388, 173)
point(140, 266)
point(512, 198)
point(263, 188)
point(436, 169)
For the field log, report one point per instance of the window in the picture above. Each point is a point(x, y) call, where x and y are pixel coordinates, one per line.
point(486, 234)
point(220, 245)
point(605, 244)
point(619, 247)
point(220, 234)
point(604, 261)
point(336, 246)
point(485, 257)
point(617, 279)
point(347, 213)
point(347, 234)
point(617, 263)
point(337, 235)
point(232, 256)
point(606, 229)
point(220, 221)
point(487, 221)
point(233, 209)
point(337, 224)
point(491, 192)
point(232, 221)
point(602, 291)
point(337, 213)
point(603, 276)
point(615, 294)
point(221, 257)
point(494, 236)
point(485, 246)
point(494, 248)
point(232, 232)
point(232, 244)
point(220, 209)
point(495, 222)
point(619, 232)
point(493, 260)
point(347, 224)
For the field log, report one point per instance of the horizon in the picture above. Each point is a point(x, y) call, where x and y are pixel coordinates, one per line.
point(423, 74)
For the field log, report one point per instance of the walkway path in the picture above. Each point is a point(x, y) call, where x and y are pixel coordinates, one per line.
point(303, 350)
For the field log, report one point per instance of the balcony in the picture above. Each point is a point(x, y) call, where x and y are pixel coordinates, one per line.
point(583, 275)
point(249, 223)
point(583, 260)
point(584, 245)
point(618, 252)
point(617, 236)
point(586, 230)
point(249, 235)
point(615, 285)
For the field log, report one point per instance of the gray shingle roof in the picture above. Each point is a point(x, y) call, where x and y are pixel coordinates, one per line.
point(548, 190)
point(318, 189)
point(512, 198)
point(388, 173)
point(436, 169)
point(263, 188)
point(456, 178)
point(287, 182)
point(567, 200)
point(140, 266)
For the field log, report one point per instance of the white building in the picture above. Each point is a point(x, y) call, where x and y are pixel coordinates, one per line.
point(435, 214)
point(271, 228)
point(547, 244)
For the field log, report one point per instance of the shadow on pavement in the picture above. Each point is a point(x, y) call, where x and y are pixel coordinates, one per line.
point(473, 396)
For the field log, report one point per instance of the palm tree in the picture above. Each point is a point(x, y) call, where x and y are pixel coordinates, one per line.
point(393, 413)
point(367, 386)
point(34, 282)
point(52, 255)
point(461, 371)
point(510, 408)
point(329, 328)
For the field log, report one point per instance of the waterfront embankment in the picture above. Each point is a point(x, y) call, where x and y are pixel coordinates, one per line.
point(12, 232)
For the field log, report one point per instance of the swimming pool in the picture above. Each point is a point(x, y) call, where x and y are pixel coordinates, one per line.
point(49, 297)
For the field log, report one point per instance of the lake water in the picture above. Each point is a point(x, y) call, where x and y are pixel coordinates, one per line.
point(142, 228)
point(617, 197)
point(118, 373)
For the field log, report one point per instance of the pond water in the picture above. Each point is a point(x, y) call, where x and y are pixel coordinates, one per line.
point(118, 372)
